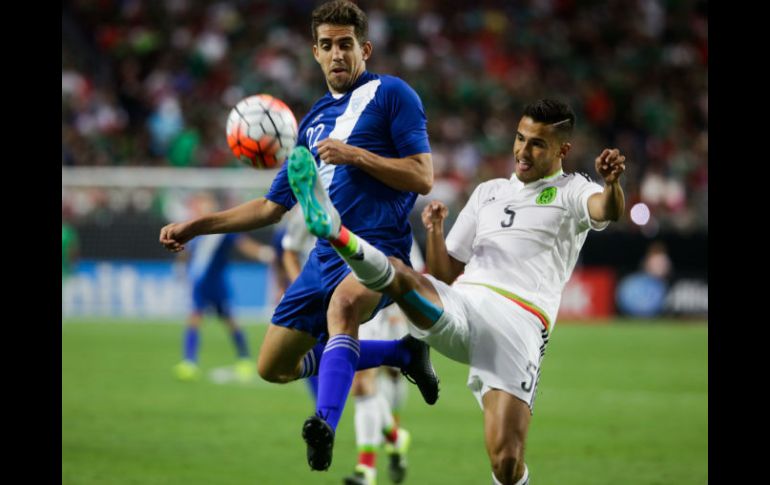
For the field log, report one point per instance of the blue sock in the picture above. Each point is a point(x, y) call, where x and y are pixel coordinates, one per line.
point(312, 385)
point(311, 362)
point(191, 343)
point(240, 343)
point(335, 377)
point(375, 353)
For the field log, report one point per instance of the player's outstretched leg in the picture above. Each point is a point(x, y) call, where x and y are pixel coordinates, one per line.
point(323, 221)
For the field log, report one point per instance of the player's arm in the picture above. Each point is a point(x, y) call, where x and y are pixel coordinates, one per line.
point(245, 217)
point(254, 250)
point(412, 174)
point(610, 204)
point(440, 263)
point(291, 264)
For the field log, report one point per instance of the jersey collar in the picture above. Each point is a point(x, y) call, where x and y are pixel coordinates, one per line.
point(365, 77)
point(515, 180)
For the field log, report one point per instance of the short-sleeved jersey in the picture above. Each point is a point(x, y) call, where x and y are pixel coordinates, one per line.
point(381, 114)
point(208, 259)
point(524, 239)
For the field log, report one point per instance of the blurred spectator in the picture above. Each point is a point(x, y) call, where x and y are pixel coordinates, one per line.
point(150, 83)
point(656, 262)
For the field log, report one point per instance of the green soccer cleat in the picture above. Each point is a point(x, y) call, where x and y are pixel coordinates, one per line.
point(397, 456)
point(244, 370)
point(321, 217)
point(362, 475)
point(187, 371)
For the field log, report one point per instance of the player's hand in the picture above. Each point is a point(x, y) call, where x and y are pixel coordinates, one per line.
point(174, 236)
point(336, 152)
point(610, 164)
point(433, 215)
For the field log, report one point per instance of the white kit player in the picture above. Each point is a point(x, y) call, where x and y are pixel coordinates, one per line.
point(507, 259)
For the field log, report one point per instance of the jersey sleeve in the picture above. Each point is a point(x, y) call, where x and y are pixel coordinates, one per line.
point(408, 125)
point(280, 191)
point(459, 242)
point(580, 189)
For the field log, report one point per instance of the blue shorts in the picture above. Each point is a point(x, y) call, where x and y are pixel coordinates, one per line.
point(303, 306)
point(215, 295)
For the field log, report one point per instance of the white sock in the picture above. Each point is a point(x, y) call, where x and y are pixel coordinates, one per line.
point(524, 480)
point(394, 389)
point(368, 421)
point(369, 264)
point(400, 392)
point(386, 414)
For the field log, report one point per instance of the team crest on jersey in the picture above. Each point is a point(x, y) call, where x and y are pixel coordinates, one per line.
point(546, 196)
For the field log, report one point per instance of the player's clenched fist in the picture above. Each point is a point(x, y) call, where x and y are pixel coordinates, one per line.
point(434, 213)
point(173, 237)
point(610, 164)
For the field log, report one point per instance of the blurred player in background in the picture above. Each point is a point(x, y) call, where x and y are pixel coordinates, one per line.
point(515, 243)
point(379, 395)
point(69, 245)
point(369, 132)
point(207, 261)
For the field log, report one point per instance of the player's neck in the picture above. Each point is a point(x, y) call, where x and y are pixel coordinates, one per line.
point(353, 84)
point(546, 178)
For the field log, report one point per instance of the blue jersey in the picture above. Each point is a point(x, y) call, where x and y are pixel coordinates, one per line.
point(209, 256)
point(381, 114)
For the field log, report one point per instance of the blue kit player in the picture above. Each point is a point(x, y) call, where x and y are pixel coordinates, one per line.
point(207, 262)
point(368, 137)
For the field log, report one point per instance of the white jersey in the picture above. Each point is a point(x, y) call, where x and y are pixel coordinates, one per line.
point(418, 262)
point(523, 240)
point(297, 237)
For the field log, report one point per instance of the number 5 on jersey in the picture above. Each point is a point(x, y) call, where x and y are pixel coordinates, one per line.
point(511, 214)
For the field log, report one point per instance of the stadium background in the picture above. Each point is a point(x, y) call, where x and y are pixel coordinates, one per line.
point(146, 87)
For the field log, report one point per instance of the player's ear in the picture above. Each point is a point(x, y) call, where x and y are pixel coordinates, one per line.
point(564, 149)
point(367, 48)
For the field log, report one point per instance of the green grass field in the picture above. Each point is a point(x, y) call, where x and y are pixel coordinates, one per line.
point(621, 404)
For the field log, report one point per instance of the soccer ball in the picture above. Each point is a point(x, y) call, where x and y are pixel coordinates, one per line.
point(261, 131)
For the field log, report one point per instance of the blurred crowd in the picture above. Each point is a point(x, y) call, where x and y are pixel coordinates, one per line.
point(149, 83)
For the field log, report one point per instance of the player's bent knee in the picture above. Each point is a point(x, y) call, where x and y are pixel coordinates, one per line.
point(274, 374)
point(401, 268)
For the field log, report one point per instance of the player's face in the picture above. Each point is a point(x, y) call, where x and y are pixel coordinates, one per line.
point(538, 150)
point(340, 56)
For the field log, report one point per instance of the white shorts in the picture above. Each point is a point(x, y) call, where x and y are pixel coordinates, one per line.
point(388, 324)
point(503, 343)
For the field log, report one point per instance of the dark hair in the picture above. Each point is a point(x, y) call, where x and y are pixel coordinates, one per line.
point(341, 12)
point(552, 112)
